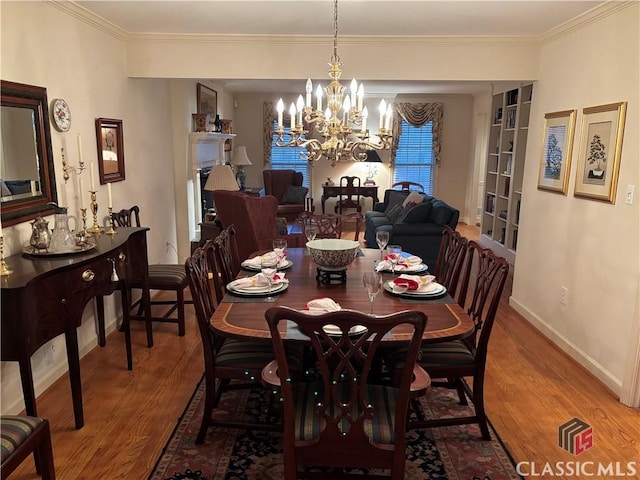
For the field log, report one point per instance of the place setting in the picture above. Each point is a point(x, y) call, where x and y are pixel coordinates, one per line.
point(415, 287)
point(396, 261)
point(265, 284)
point(278, 255)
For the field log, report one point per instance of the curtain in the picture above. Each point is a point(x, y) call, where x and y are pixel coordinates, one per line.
point(269, 115)
point(417, 114)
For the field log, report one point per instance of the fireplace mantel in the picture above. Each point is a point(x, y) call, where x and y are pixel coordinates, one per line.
point(205, 149)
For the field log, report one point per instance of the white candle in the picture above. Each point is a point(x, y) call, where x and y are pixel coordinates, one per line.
point(109, 195)
point(309, 90)
point(360, 96)
point(81, 194)
point(79, 149)
point(388, 119)
point(365, 114)
point(292, 112)
point(383, 110)
point(280, 109)
point(93, 185)
point(354, 91)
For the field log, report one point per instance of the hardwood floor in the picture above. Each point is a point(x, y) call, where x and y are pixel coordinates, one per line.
point(531, 388)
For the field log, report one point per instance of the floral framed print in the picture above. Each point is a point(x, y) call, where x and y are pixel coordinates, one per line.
point(110, 150)
point(600, 151)
point(557, 145)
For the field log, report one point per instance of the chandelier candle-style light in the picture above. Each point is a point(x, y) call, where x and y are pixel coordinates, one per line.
point(345, 136)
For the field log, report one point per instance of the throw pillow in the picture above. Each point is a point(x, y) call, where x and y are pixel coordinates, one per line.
point(295, 195)
point(416, 214)
point(394, 198)
point(414, 197)
point(393, 213)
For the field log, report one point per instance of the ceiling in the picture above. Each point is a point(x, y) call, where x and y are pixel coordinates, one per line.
point(355, 17)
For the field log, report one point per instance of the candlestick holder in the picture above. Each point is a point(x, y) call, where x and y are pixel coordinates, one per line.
point(4, 268)
point(83, 211)
point(111, 231)
point(95, 229)
point(67, 169)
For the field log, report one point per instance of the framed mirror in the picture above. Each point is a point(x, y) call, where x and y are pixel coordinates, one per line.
point(27, 174)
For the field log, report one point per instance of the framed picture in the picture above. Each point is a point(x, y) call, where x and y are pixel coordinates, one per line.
point(110, 150)
point(600, 151)
point(207, 103)
point(557, 145)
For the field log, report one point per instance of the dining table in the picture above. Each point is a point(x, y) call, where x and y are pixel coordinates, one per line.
point(242, 316)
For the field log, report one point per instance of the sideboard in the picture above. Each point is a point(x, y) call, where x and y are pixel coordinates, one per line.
point(45, 296)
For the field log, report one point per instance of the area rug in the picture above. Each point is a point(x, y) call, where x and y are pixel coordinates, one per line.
point(445, 453)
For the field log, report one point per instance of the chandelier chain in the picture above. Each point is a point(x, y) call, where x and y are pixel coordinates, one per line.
point(335, 57)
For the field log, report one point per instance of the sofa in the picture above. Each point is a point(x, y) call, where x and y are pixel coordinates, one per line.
point(415, 223)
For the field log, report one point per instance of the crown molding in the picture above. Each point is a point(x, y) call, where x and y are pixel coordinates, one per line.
point(86, 16)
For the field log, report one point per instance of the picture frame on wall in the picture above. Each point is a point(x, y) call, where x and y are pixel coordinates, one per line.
point(207, 99)
point(110, 140)
point(557, 147)
point(601, 136)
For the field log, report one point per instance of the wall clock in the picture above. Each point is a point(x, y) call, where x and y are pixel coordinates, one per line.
point(61, 114)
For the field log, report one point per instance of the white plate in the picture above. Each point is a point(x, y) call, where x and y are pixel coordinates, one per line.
point(257, 290)
point(421, 267)
point(246, 266)
point(435, 290)
point(333, 330)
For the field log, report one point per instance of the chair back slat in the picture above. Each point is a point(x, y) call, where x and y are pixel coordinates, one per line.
point(126, 216)
point(346, 371)
point(225, 251)
point(488, 272)
point(451, 255)
point(330, 225)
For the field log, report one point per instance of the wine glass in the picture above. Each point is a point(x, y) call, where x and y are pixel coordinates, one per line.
point(280, 249)
point(382, 238)
point(268, 267)
point(372, 282)
point(394, 254)
point(310, 231)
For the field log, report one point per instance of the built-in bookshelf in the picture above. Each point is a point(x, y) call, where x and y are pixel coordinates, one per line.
point(507, 144)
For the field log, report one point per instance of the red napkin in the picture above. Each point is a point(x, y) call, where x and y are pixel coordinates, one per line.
point(406, 282)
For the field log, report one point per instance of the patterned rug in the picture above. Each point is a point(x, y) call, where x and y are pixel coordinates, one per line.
point(454, 453)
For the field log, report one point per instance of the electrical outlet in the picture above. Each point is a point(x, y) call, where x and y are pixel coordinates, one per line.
point(564, 294)
point(628, 199)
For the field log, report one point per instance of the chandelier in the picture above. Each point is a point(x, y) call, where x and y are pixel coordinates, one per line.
point(342, 126)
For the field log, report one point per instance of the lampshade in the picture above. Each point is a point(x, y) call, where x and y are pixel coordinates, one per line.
point(221, 178)
point(240, 156)
point(373, 157)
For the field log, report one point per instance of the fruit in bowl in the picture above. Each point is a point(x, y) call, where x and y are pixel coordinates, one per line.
point(333, 253)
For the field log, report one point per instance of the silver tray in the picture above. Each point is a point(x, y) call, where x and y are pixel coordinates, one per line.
point(80, 248)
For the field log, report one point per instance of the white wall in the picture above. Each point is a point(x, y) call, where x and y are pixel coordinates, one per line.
point(42, 45)
point(589, 247)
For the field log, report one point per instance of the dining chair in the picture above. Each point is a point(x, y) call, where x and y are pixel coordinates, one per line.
point(453, 360)
point(409, 186)
point(22, 436)
point(330, 225)
point(228, 363)
point(225, 249)
point(349, 194)
point(162, 276)
point(451, 255)
point(340, 417)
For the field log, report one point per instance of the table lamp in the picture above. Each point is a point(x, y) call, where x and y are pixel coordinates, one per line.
point(240, 159)
point(372, 158)
point(221, 178)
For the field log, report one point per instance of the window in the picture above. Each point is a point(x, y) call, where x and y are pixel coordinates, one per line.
point(414, 157)
point(284, 158)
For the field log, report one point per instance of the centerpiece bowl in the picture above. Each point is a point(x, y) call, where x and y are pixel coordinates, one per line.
point(333, 253)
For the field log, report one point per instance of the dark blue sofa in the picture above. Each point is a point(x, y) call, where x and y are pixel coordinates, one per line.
point(418, 230)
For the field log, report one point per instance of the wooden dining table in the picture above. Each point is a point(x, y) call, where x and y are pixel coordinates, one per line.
point(243, 317)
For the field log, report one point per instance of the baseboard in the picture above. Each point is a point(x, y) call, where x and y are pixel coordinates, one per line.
point(601, 373)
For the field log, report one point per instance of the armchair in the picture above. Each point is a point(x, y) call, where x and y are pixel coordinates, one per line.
point(254, 219)
point(286, 186)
